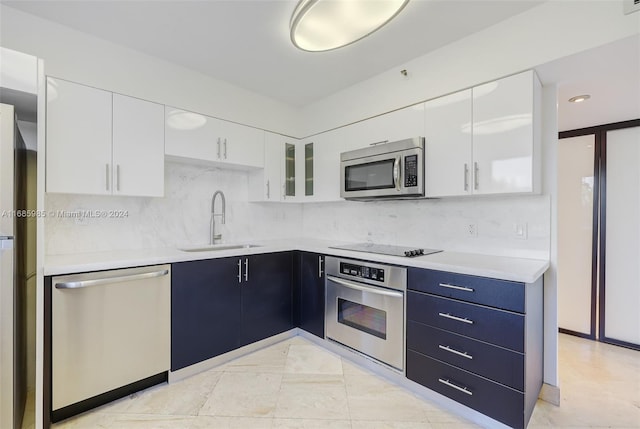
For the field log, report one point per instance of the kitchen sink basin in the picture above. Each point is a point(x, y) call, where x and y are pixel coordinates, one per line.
point(217, 247)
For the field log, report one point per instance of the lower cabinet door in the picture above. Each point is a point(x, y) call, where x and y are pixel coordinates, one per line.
point(312, 293)
point(496, 363)
point(266, 296)
point(205, 310)
point(492, 399)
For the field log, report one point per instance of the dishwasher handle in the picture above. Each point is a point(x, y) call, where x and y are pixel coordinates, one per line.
point(108, 280)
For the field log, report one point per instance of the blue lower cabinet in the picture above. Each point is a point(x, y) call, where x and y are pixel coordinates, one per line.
point(311, 293)
point(266, 296)
point(205, 310)
point(218, 305)
point(476, 340)
point(497, 401)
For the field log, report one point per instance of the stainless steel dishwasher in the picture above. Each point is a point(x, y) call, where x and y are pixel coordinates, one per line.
point(109, 329)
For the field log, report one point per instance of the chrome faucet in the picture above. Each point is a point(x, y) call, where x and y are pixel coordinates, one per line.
point(216, 238)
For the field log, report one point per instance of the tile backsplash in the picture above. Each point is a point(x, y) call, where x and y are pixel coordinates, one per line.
point(182, 218)
point(439, 224)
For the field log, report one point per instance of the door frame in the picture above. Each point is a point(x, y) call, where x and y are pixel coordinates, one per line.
point(599, 231)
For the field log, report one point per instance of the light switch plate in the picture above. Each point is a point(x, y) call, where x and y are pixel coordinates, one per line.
point(521, 230)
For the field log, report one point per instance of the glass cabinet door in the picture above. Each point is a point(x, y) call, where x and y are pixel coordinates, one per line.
point(290, 170)
point(308, 169)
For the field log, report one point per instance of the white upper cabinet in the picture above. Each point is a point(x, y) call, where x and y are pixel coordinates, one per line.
point(326, 165)
point(78, 139)
point(506, 135)
point(242, 145)
point(102, 143)
point(138, 147)
point(484, 140)
point(448, 145)
point(192, 136)
point(268, 184)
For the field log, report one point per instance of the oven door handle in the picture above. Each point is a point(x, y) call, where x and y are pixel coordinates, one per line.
point(370, 289)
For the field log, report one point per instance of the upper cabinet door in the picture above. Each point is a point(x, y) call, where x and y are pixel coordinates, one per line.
point(242, 145)
point(138, 147)
point(78, 139)
point(448, 142)
point(503, 134)
point(192, 135)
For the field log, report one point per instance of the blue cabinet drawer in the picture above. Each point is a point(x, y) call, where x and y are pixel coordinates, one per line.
point(480, 290)
point(499, 327)
point(494, 400)
point(498, 364)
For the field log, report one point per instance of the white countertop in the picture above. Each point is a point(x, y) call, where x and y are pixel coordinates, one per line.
point(499, 267)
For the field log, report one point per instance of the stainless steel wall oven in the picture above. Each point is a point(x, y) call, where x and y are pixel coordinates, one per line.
point(365, 308)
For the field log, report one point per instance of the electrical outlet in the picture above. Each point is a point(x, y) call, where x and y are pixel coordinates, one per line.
point(521, 230)
point(472, 230)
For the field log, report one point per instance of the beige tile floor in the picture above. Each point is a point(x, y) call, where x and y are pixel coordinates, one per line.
point(298, 385)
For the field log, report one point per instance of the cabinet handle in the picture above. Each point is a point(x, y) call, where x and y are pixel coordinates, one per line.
point(225, 148)
point(377, 143)
point(218, 147)
point(450, 384)
point(320, 261)
point(107, 171)
point(246, 270)
point(466, 176)
point(448, 286)
point(117, 177)
point(239, 270)
point(455, 352)
point(476, 180)
point(268, 190)
point(456, 318)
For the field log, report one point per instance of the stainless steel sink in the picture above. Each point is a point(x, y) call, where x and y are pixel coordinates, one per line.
point(217, 247)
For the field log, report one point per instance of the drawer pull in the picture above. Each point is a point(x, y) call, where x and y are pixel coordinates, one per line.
point(455, 352)
point(448, 286)
point(456, 318)
point(450, 384)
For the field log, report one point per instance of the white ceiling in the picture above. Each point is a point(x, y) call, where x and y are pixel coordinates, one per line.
point(609, 73)
point(246, 42)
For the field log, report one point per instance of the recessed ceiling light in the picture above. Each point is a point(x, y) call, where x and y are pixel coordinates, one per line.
point(323, 25)
point(579, 98)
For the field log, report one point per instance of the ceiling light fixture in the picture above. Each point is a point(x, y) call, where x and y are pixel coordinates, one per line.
point(579, 98)
point(323, 25)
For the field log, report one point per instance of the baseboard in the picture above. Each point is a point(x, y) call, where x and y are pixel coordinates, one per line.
point(550, 394)
point(229, 356)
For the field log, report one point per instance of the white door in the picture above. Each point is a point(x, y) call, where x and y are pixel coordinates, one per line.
point(192, 135)
point(575, 232)
point(622, 249)
point(242, 145)
point(503, 135)
point(266, 184)
point(78, 139)
point(7, 144)
point(448, 145)
point(138, 147)
point(326, 167)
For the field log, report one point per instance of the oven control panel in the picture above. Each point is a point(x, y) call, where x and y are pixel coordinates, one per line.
point(369, 273)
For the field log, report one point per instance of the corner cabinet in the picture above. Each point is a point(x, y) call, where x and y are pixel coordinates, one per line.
point(485, 140)
point(277, 181)
point(218, 305)
point(194, 137)
point(102, 143)
point(477, 341)
point(312, 293)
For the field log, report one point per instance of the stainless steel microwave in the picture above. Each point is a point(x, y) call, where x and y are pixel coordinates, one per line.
point(385, 171)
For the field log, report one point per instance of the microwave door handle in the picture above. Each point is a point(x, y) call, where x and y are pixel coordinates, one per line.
point(396, 173)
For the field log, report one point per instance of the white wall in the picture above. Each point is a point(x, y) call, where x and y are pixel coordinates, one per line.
point(79, 57)
point(180, 218)
point(550, 31)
